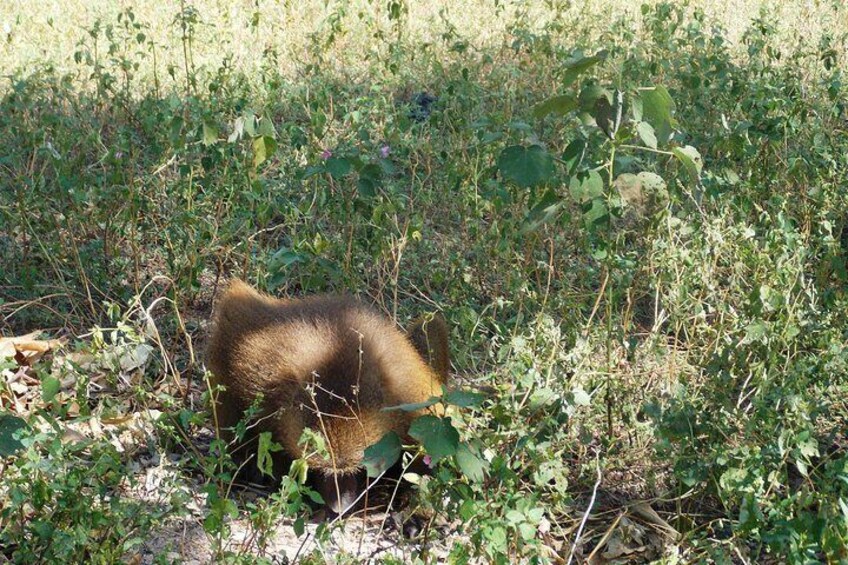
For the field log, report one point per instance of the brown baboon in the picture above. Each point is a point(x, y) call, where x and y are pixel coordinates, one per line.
point(328, 363)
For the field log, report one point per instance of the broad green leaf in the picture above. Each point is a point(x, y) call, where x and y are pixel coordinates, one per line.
point(546, 210)
point(366, 187)
point(636, 108)
point(266, 447)
point(528, 531)
point(590, 94)
point(496, 537)
point(691, 160)
point(10, 424)
point(338, 167)
point(382, 455)
point(250, 123)
point(470, 464)
point(596, 212)
point(559, 105)
point(299, 471)
point(526, 166)
point(518, 125)
point(575, 68)
point(658, 110)
point(284, 257)
point(581, 397)
point(219, 509)
point(263, 148)
point(266, 127)
point(50, 387)
point(646, 134)
point(756, 331)
point(573, 155)
point(464, 398)
point(210, 133)
point(413, 407)
point(374, 171)
point(299, 526)
point(586, 188)
point(437, 435)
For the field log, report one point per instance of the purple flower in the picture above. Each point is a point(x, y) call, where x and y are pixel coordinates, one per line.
point(119, 154)
point(326, 154)
point(428, 461)
point(384, 151)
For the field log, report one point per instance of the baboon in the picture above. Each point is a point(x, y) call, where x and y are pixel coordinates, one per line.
point(328, 363)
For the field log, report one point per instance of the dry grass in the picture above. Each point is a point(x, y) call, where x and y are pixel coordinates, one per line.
point(50, 32)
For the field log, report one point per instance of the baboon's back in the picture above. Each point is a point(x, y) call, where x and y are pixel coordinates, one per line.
point(328, 363)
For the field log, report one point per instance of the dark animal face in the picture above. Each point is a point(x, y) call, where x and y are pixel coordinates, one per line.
point(339, 491)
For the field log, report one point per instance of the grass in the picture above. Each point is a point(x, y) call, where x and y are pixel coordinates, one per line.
point(631, 216)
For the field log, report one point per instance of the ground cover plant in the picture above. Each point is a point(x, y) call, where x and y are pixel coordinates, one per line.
point(633, 218)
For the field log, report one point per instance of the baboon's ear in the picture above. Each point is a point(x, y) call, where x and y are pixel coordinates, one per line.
point(429, 335)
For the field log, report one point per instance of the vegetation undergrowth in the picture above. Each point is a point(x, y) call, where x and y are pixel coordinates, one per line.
point(637, 236)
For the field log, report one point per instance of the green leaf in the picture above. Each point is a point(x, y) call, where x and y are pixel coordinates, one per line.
point(50, 387)
point(756, 331)
point(267, 446)
point(546, 210)
point(249, 121)
point(10, 424)
point(470, 464)
point(299, 526)
point(283, 258)
point(581, 397)
point(577, 67)
point(382, 455)
point(373, 171)
point(338, 167)
point(464, 398)
point(210, 133)
point(646, 134)
point(299, 471)
point(590, 94)
point(658, 110)
point(366, 187)
point(266, 127)
point(413, 407)
point(528, 531)
point(526, 166)
point(559, 105)
point(496, 537)
point(573, 155)
point(263, 148)
point(586, 188)
point(691, 160)
point(437, 435)
point(596, 212)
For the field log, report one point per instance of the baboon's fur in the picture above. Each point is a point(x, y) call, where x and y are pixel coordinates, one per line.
point(328, 363)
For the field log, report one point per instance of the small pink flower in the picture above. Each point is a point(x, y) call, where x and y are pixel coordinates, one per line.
point(326, 154)
point(428, 461)
point(384, 151)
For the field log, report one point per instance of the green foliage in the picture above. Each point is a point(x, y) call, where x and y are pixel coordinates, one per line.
point(60, 507)
point(640, 252)
point(10, 427)
point(382, 455)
